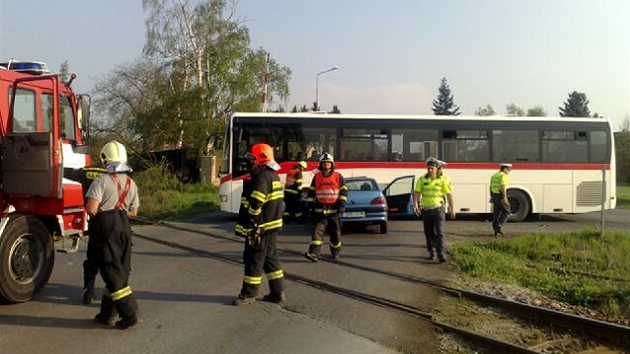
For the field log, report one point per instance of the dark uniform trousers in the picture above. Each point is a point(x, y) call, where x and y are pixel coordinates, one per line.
point(432, 220)
point(109, 248)
point(292, 201)
point(330, 224)
point(500, 211)
point(262, 257)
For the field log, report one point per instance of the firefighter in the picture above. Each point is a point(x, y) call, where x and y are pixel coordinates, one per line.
point(293, 191)
point(431, 190)
point(259, 220)
point(327, 200)
point(111, 200)
point(499, 198)
point(86, 176)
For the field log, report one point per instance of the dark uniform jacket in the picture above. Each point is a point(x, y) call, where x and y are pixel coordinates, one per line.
point(262, 203)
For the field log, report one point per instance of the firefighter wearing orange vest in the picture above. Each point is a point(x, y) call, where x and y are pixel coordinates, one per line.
point(259, 220)
point(293, 191)
point(327, 198)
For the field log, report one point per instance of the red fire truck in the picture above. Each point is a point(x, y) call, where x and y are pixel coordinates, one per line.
point(42, 128)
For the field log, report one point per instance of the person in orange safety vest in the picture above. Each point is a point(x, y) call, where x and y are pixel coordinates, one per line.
point(327, 199)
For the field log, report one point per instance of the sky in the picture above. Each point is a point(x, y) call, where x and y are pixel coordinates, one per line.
point(391, 55)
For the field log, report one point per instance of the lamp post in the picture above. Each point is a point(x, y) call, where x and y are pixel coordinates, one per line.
point(317, 85)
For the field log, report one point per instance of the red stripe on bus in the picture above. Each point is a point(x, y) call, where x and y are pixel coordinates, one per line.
point(312, 165)
point(455, 166)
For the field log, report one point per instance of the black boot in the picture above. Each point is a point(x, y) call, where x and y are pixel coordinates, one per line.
point(107, 316)
point(128, 310)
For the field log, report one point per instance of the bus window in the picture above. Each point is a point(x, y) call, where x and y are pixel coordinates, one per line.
point(363, 144)
point(515, 145)
point(465, 145)
point(598, 147)
point(319, 141)
point(564, 147)
point(24, 115)
point(415, 144)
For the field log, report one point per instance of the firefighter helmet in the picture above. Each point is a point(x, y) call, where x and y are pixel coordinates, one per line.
point(262, 154)
point(326, 157)
point(114, 154)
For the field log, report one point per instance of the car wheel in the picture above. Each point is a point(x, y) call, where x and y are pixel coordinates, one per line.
point(384, 227)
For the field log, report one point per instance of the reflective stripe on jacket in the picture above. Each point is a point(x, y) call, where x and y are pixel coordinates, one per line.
point(263, 204)
point(294, 181)
point(433, 191)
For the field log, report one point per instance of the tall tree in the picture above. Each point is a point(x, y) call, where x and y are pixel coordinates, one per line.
point(443, 105)
point(485, 111)
point(536, 111)
point(514, 110)
point(206, 53)
point(575, 106)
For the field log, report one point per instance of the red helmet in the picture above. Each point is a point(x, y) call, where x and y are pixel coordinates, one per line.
point(263, 155)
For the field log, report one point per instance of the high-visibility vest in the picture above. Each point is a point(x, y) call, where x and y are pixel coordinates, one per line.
point(434, 190)
point(498, 179)
point(327, 188)
point(293, 182)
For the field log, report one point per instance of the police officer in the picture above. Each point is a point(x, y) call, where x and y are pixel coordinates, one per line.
point(259, 220)
point(327, 198)
point(86, 176)
point(499, 198)
point(293, 190)
point(430, 191)
point(111, 199)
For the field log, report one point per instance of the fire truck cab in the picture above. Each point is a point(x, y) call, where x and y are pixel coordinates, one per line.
point(42, 127)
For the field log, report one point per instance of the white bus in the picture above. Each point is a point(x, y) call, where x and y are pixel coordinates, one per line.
point(561, 164)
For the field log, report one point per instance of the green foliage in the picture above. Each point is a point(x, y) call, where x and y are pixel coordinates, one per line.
point(513, 109)
point(575, 106)
point(537, 111)
point(197, 69)
point(622, 152)
point(484, 112)
point(443, 105)
point(623, 196)
point(163, 196)
point(580, 268)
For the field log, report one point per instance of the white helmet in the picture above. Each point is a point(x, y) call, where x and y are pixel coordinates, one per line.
point(326, 157)
point(114, 157)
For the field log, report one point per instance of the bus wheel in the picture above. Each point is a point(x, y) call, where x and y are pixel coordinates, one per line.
point(26, 258)
point(519, 203)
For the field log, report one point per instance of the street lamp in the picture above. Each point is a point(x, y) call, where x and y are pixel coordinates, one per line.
point(317, 85)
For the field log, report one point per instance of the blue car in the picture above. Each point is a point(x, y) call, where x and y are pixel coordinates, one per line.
point(366, 203)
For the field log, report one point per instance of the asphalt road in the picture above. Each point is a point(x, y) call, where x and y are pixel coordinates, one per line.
point(185, 293)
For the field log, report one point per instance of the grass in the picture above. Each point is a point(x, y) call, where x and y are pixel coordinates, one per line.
point(623, 196)
point(163, 196)
point(580, 268)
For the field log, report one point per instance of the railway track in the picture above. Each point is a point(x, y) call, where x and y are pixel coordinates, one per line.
point(593, 331)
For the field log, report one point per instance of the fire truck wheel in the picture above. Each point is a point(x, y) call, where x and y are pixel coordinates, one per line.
point(26, 258)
